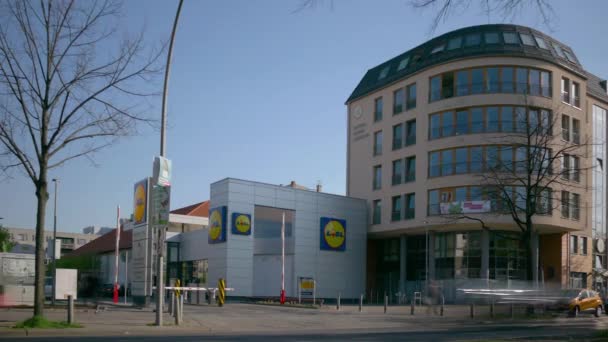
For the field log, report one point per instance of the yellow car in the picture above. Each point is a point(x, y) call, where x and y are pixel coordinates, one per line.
point(586, 300)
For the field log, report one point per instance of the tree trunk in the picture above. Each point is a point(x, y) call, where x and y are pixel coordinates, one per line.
point(42, 197)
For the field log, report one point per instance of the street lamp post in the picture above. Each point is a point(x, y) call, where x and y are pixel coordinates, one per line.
point(56, 181)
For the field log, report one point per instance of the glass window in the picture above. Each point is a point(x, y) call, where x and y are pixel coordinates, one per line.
point(575, 213)
point(462, 122)
point(492, 83)
point(527, 39)
point(510, 38)
point(576, 131)
point(447, 85)
point(378, 109)
point(455, 43)
point(383, 72)
point(377, 212)
point(566, 212)
point(397, 172)
point(583, 245)
point(410, 134)
point(491, 157)
point(460, 194)
point(396, 208)
point(522, 80)
point(558, 50)
point(534, 82)
point(434, 202)
point(472, 39)
point(521, 157)
point(545, 83)
point(576, 175)
point(398, 100)
point(397, 136)
point(377, 177)
point(476, 193)
point(507, 80)
point(403, 63)
point(534, 122)
point(476, 159)
point(434, 170)
point(576, 101)
point(545, 121)
point(438, 48)
point(435, 88)
point(521, 122)
point(492, 117)
point(410, 171)
point(506, 158)
point(435, 127)
point(410, 206)
point(447, 167)
point(411, 97)
point(565, 90)
point(477, 81)
point(462, 82)
point(477, 120)
point(378, 143)
point(461, 160)
point(492, 38)
point(541, 43)
point(506, 119)
point(447, 124)
point(569, 55)
point(566, 127)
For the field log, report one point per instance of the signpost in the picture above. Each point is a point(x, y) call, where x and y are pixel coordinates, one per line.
point(116, 285)
point(283, 260)
point(306, 288)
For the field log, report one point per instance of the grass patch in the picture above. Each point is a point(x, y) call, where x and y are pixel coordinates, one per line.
point(601, 334)
point(39, 322)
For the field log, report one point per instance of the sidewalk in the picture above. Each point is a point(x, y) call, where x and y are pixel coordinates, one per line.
point(242, 319)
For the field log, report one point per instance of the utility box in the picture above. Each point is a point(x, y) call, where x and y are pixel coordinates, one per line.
point(66, 283)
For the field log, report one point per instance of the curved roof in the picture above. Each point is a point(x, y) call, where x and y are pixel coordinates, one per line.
point(474, 41)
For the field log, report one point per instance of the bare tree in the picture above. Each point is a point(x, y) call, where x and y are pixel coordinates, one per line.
point(69, 86)
point(526, 169)
point(507, 9)
point(6, 241)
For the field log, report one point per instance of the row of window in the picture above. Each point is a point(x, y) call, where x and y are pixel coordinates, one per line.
point(578, 245)
point(473, 159)
point(439, 200)
point(404, 170)
point(570, 205)
point(403, 98)
point(405, 137)
point(571, 134)
point(489, 120)
point(497, 79)
point(571, 92)
point(403, 207)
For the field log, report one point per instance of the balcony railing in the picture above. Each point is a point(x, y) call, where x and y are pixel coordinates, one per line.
point(396, 179)
point(410, 213)
point(410, 140)
point(566, 134)
point(396, 216)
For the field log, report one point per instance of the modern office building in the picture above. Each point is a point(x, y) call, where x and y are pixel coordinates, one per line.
point(425, 130)
point(25, 241)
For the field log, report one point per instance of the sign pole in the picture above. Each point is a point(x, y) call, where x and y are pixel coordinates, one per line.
point(116, 256)
point(283, 260)
point(126, 273)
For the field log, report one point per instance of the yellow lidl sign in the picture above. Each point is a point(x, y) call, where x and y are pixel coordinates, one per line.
point(217, 225)
point(333, 234)
point(140, 202)
point(241, 224)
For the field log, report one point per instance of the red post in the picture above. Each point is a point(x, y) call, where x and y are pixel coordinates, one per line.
point(116, 292)
point(282, 297)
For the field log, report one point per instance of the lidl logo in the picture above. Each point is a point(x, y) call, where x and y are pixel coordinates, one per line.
point(241, 224)
point(217, 225)
point(140, 202)
point(333, 234)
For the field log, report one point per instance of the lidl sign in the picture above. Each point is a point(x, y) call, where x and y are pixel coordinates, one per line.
point(217, 225)
point(241, 224)
point(140, 202)
point(333, 234)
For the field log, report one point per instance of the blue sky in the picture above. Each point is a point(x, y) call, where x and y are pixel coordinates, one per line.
point(257, 92)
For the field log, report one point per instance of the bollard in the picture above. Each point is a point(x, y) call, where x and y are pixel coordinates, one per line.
point(70, 309)
point(338, 301)
point(172, 303)
point(492, 309)
point(412, 309)
point(221, 286)
point(181, 309)
point(360, 303)
point(442, 305)
point(385, 302)
point(472, 310)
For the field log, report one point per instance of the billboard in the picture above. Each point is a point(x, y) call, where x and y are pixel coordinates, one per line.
point(140, 202)
point(465, 207)
point(217, 225)
point(333, 234)
point(241, 224)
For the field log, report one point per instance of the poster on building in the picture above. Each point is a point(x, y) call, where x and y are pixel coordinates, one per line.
point(465, 207)
point(161, 200)
point(217, 225)
point(140, 202)
point(333, 234)
point(241, 224)
point(307, 286)
point(139, 261)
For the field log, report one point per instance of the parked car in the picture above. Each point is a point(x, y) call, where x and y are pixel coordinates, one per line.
point(48, 287)
point(586, 300)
